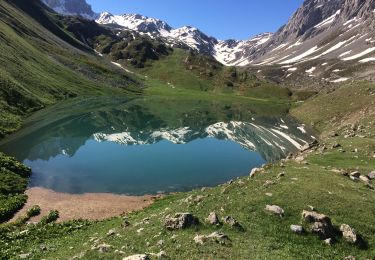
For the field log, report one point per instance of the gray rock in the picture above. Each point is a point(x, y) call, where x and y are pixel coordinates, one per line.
point(43, 247)
point(254, 172)
point(24, 256)
point(218, 236)
point(125, 223)
point(371, 175)
point(323, 229)
point(137, 257)
point(111, 232)
point(161, 254)
point(280, 175)
point(312, 216)
point(364, 178)
point(355, 174)
point(349, 234)
point(215, 236)
point(276, 210)
point(200, 239)
point(231, 221)
point(160, 243)
point(181, 221)
point(103, 248)
point(328, 241)
point(350, 257)
point(297, 229)
point(213, 219)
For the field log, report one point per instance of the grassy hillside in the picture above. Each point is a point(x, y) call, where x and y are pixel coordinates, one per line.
point(188, 70)
point(43, 64)
point(314, 180)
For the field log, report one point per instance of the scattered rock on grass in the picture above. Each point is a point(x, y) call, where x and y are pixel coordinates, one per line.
point(213, 219)
point(200, 239)
point(137, 257)
point(24, 256)
point(217, 237)
point(161, 254)
point(355, 174)
point(371, 175)
point(323, 229)
point(349, 234)
point(349, 258)
point(297, 229)
point(160, 243)
point(364, 179)
point(103, 248)
point(328, 241)
point(231, 222)
point(312, 216)
point(125, 223)
point(322, 224)
point(111, 232)
point(254, 171)
point(276, 210)
point(181, 221)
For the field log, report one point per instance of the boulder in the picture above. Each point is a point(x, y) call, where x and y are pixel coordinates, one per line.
point(111, 232)
point(218, 236)
point(280, 175)
point(213, 219)
point(231, 221)
point(137, 257)
point(313, 216)
point(349, 234)
point(297, 229)
point(371, 175)
point(274, 209)
point(181, 221)
point(364, 178)
point(200, 239)
point(215, 236)
point(323, 229)
point(349, 258)
point(355, 174)
point(103, 248)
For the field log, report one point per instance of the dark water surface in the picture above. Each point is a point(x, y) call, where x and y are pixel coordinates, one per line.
point(150, 145)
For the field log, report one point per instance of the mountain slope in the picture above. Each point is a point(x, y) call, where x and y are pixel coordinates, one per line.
point(44, 63)
point(338, 30)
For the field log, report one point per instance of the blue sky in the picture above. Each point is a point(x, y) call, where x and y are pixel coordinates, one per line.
point(236, 19)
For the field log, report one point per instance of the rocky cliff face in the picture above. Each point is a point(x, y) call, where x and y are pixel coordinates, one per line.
point(72, 7)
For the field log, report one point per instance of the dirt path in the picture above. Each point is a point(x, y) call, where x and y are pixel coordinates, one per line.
point(92, 206)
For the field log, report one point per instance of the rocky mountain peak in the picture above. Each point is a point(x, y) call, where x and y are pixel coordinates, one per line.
point(72, 7)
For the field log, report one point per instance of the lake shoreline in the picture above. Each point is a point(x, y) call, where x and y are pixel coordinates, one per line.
point(88, 206)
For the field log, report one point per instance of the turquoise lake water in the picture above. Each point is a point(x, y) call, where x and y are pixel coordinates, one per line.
point(126, 146)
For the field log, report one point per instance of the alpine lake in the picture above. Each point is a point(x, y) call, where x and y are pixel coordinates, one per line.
point(150, 145)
